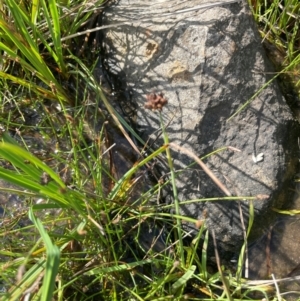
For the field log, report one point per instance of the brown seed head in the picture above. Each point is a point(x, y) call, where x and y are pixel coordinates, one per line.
point(155, 101)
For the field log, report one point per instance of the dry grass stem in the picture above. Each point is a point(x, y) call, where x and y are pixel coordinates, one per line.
point(224, 280)
point(245, 240)
point(203, 166)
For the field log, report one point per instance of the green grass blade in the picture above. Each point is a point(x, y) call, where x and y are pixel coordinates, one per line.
point(19, 36)
point(129, 174)
point(17, 292)
point(245, 245)
point(34, 10)
point(19, 180)
point(20, 158)
point(53, 23)
point(204, 256)
point(24, 42)
point(174, 187)
point(119, 268)
point(184, 279)
point(30, 177)
point(29, 85)
point(52, 260)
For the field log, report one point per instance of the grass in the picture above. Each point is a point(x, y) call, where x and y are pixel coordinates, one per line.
point(278, 23)
point(79, 235)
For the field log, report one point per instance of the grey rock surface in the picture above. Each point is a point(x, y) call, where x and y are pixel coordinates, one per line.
point(208, 63)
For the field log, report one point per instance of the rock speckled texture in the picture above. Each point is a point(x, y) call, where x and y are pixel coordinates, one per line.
point(208, 63)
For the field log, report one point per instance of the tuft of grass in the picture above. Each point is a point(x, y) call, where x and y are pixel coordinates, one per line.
point(99, 243)
point(31, 37)
point(278, 22)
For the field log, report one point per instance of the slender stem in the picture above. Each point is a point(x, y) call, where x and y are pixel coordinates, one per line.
point(176, 201)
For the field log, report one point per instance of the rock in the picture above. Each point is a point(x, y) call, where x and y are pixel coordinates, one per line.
point(207, 63)
point(277, 251)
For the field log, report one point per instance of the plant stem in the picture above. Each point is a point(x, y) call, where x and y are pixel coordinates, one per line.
point(176, 201)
